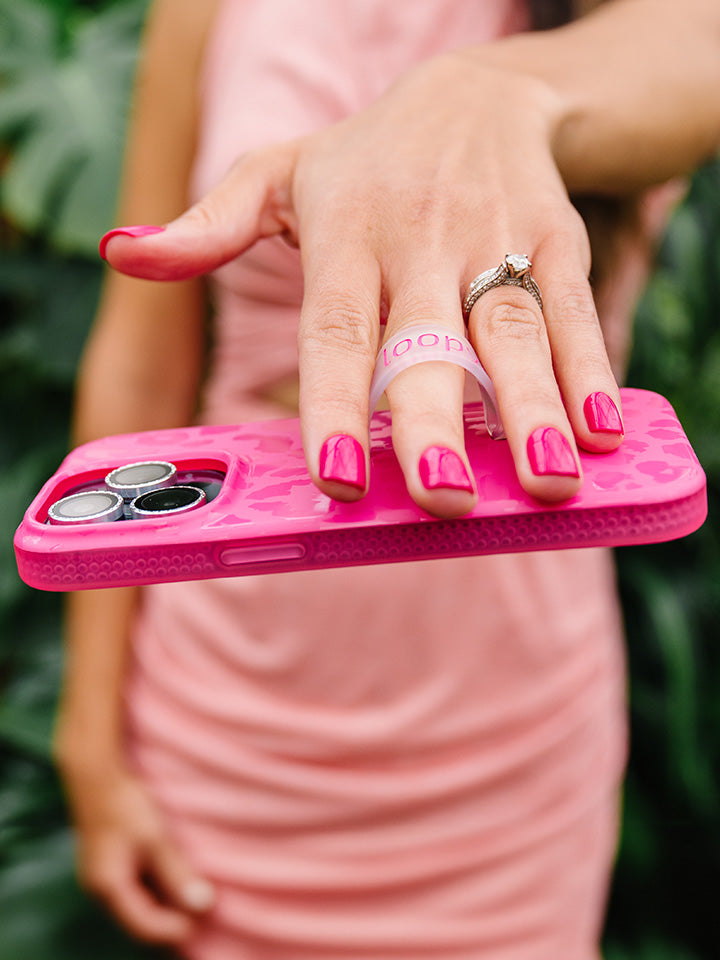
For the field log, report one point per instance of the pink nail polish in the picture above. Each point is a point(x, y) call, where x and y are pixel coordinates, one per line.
point(602, 415)
point(440, 467)
point(550, 453)
point(342, 458)
point(144, 230)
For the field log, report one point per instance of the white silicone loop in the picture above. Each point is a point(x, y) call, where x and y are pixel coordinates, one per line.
point(423, 344)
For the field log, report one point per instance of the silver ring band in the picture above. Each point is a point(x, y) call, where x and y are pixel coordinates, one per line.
point(513, 271)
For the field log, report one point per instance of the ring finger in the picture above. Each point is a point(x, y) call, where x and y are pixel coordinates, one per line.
point(520, 349)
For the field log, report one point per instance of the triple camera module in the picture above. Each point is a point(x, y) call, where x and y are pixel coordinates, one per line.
point(150, 489)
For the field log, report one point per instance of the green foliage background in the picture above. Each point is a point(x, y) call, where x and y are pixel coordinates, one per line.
point(65, 74)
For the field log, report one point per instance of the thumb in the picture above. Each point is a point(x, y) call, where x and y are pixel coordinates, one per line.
point(183, 887)
point(254, 200)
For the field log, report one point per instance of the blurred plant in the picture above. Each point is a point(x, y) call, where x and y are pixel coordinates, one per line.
point(65, 69)
point(669, 864)
point(66, 76)
point(65, 72)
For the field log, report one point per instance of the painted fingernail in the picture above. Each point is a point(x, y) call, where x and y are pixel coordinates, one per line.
point(342, 458)
point(198, 895)
point(602, 415)
point(440, 467)
point(143, 230)
point(550, 453)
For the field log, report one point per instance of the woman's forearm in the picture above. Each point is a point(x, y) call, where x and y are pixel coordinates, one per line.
point(89, 736)
point(637, 86)
point(141, 371)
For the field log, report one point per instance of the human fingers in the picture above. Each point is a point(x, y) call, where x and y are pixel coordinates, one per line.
point(590, 393)
point(175, 877)
point(338, 347)
point(113, 872)
point(427, 399)
point(550, 370)
point(251, 202)
point(337, 343)
point(508, 329)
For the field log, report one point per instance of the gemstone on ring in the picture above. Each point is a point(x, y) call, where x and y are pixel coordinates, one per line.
point(517, 264)
point(513, 271)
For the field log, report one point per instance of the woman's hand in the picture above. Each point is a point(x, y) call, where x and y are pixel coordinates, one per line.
point(395, 210)
point(127, 859)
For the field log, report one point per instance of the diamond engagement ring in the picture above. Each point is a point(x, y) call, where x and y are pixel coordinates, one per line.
point(514, 270)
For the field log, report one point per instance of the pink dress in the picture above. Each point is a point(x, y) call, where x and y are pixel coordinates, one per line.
point(414, 761)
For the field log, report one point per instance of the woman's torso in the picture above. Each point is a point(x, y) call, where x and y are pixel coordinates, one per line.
point(401, 739)
point(391, 660)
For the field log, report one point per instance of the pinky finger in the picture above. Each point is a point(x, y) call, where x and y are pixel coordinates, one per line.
point(590, 392)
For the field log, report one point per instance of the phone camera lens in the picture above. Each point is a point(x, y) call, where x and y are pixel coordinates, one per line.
point(209, 481)
point(134, 479)
point(90, 506)
point(169, 500)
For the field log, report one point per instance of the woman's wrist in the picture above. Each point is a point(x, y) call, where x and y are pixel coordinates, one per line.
point(489, 85)
point(87, 754)
point(619, 82)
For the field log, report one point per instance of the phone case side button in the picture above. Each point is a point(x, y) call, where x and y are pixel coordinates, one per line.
point(261, 553)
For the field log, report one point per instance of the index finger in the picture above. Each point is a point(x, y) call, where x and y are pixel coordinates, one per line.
point(337, 343)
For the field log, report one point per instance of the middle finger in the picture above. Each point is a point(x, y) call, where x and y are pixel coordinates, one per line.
point(427, 399)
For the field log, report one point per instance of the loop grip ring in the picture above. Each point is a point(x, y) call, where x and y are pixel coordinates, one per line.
point(431, 342)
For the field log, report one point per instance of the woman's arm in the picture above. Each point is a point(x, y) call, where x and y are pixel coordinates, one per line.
point(140, 370)
point(636, 84)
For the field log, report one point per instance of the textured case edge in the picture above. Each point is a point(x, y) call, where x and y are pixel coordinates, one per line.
point(556, 530)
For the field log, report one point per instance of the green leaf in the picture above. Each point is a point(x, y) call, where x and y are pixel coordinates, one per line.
point(43, 877)
point(27, 32)
point(63, 115)
point(40, 163)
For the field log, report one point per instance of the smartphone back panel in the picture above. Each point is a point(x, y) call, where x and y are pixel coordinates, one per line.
point(269, 517)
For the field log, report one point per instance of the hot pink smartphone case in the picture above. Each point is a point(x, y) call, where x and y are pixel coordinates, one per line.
point(268, 516)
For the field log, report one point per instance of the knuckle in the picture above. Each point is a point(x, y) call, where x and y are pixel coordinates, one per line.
point(407, 311)
point(592, 368)
point(341, 406)
point(201, 215)
point(422, 204)
point(341, 324)
point(422, 211)
point(432, 210)
point(515, 321)
point(539, 394)
point(575, 305)
point(543, 403)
